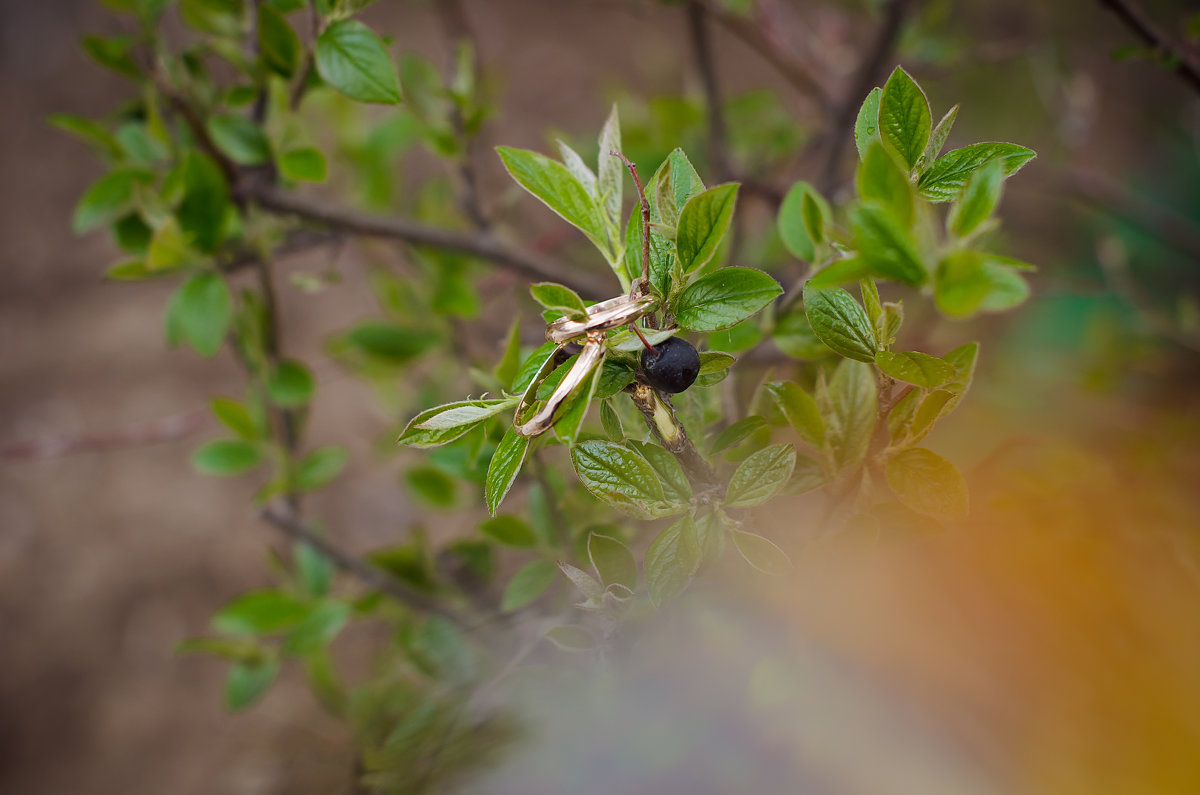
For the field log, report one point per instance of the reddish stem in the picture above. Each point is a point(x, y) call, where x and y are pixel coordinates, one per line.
point(633, 327)
point(645, 216)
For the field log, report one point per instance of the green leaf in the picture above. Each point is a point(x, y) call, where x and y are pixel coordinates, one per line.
point(841, 272)
point(978, 201)
point(589, 586)
point(840, 322)
point(724, 298)
point(855, 404)
point(800, 410)
point(504, 467)
point(886, 246)
point(610, 181)
point(322, 624)
point(715, 361)
point(969, 282)
point(904, 117)
point(512, 531)
point(927, 483)
point(532, 366)
point(796, 223)
point(87, 130)
point(612, 561)
point(278, 43)
point(527, 585)
point(578, 168)
point(248, 682)
point(205, 200)
point(234, 416)
point(432, 486)
point(619, 477)
point(611, 422)
point(671, 561)
point(395, 344)
point(914, 367)
point(443, 424)
point(319, 467)
point(673, 184)
point(303, 165)
point(937, 139)
point(736, 433)
point(761, 553)
point(239, 139)
point(794, 336)
point(560, 298)
point(259, 612)
point(167, 247)
point(676, 486)
point(314, 571)
point(291, 384)
point(226, 457)
point(569, 424)
point(553, 184)
point(881, 179)
point(353, 60)
point(108, 198)
point(702, 226)
point(866, 126)
point(914, 415)
point(506, 369)
point(948, 175)
point(200, 313)
point(761, 475)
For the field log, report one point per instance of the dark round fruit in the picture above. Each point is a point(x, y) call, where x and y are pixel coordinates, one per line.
point(675, 367)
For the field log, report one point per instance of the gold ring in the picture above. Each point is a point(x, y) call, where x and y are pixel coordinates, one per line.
point(603, 316)
point(589, 358)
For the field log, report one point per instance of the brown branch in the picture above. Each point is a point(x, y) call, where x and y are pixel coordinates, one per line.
point(758, 40)
point(1136, 20)
point(718, 137)
point(371, 575)
point(660, 417)
point(482, 245)
point(167, 429)
point(453, 18)
point(865, 79)
point(645, 205)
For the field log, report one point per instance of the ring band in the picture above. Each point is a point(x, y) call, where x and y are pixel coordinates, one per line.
point(589, 358)
point(603, 316)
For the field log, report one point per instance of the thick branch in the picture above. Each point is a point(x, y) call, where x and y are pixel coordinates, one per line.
point(864, 80)
point(785, 63)
point(370, 575)
point(665, 426)
point(1136, 20)
point(479, 244)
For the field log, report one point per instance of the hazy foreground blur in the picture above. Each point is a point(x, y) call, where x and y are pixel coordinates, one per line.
point(1049, 645)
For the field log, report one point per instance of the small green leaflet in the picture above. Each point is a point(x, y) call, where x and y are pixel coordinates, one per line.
point(866, 127)
point(948, 175)
point(761, 553)
point(671, 561)
point(527, 584)
point(840, 322)
point(558, 297)
point(702, 225)
point(885, 245)
point(803, 215)
point(978, 200)
point(319, 467)
point(855, 402)
point(904, 117)
point(928, 483)
point(443, 424)
point(619, 477)
point(800, 410)
point(613, 561)
point(200, 313)
point(914, 367)
point(724, 298)
point(352, 59)
point(504, 467)
point(761, 475)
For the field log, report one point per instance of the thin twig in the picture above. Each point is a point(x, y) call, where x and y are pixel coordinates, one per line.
point(310, 63)
point(482, 245)
point(370, 575)
point(629, 164)
point(796, 73)
point(864, 79)
point(453, 18)
point(1135, 19)
point(718, 147)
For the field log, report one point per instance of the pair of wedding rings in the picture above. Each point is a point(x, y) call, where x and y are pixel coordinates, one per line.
point(601, 318)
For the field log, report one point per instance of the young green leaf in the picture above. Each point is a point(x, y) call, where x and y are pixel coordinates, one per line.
point(937, 139)
point(571, 638)
point(239, 139)
point(591, 588)
point(927, 483)
point(533, 365)
point(205, 201)
point(978, 201)
point(317, 469)
point(291, 384)
point(761, 553)
point(527, 584)
point(881, 179)
point(611, 422)
point(318, 629)
point(234, 416)
point(904, 117)
point(948, 175)
point(504, 467)
point(671, 561)
point(800, 410)
point(560, 298)
point(613, 561)
point(200, 313)
point(702, 225)
point(390, 343)
point(866, 126)
point(610, 182)
point(736, 433)
point(443, 424)
point(839, 322)
point(352, 59)
point(303, 165)
point(619, 477)
point(724, 298)
point(512, 531)
point(569, 424)
point(968, 282)
point(673, 184)
point(248, 682)
point(106, 200)
point(676, 486)
point(715, 361)
point(794, 336)
point(259, 612)
point(761, 475)
point(506, 369)
point(914, 367)
point(579, 169)
point(278, 43)
point(559, 190)
point(855, 402)
point(226, 457)
point(885, 245)
point(797, 226)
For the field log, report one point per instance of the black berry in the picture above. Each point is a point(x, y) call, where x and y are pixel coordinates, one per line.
point(675, 367)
